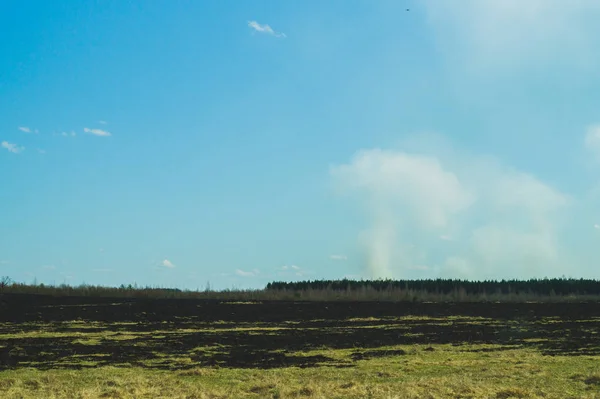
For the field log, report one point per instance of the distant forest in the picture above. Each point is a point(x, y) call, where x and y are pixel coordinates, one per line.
point(534, 287)
point(537, 290)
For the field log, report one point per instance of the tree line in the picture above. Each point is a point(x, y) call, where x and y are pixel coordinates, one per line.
point(432, 290)
point(536, 287)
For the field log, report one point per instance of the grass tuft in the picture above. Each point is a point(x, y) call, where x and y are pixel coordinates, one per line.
point(512, 393)
point(7, 383)
point(261, 389)
point(592, 379)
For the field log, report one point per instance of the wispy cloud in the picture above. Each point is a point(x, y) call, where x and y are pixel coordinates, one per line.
point(12, 147)
point(266, 29)
point(25, 129)
point(71, 134)
point(289, 267)
point(244, 273)
point(41, 151)
point(286, 270)
point(97, 132)
point(444, 237)
point(4, 262)
point(597, 226)
point(338, 257)
point(168, 264)
point(515, 33)
point(102, 122)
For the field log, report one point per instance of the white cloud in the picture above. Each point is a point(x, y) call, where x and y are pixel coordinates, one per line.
point(25, 129)
point(243, 273)
point(12, 147)
point(264, 29)
point(97, 132)
point(102, 122)
point(338, 257)
point(412, 179)
point(389, 181)
point(168, 264)
point(503, 222)
point(597, 226)
point(41, 151)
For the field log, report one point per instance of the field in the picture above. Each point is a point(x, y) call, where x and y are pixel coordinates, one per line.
point(86, 347)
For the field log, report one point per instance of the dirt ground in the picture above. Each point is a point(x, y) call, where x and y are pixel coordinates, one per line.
point(47, 332)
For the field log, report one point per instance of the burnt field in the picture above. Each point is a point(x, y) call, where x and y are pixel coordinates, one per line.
point(46, 332)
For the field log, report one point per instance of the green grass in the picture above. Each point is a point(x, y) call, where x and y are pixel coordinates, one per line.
point(444, 372)
point(397, 371)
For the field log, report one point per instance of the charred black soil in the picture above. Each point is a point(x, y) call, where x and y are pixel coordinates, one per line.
point(69, 332)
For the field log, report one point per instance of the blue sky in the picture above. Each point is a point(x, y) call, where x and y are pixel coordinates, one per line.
point(173, 143)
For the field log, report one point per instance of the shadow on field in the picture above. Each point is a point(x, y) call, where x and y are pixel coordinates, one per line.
point(178, 334)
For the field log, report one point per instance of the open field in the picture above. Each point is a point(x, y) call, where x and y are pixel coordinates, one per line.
point(73, 347)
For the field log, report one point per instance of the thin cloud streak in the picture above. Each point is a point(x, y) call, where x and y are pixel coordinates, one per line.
point(97, 132)
point(25, 129)
point(243, 273)
point(266, 29)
